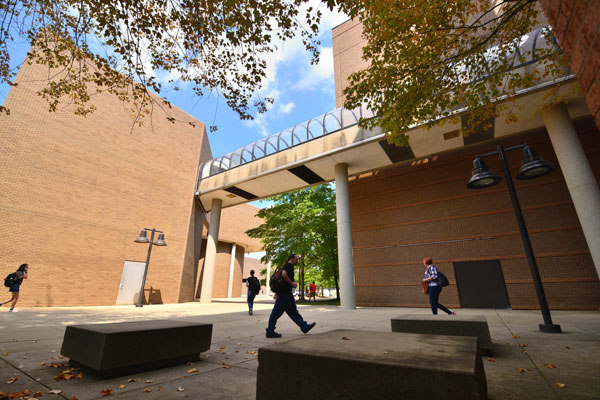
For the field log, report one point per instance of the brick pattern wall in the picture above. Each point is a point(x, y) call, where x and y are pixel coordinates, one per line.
point(76, 191)
point(404, 213)
point(222, 265)
point(576, 24)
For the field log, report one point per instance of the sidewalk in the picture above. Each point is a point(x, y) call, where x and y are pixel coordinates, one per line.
point(30, 346)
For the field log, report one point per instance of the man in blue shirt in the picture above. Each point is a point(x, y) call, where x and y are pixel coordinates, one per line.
point(285, 302)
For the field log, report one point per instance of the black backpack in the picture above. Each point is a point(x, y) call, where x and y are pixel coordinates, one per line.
point(254, 285)
point(10, 279)
point(441, 279)
point(276, 282)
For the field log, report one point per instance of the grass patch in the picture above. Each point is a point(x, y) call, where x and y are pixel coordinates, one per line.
point(329, 302)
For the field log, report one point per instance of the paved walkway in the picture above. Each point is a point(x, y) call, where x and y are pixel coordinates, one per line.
point(30, 346)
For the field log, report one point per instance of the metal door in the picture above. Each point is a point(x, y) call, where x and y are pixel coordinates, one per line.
point(481, 284)
point(131, 281)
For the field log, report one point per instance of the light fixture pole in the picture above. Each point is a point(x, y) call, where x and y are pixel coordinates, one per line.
point(144, 239)
point(532, 166)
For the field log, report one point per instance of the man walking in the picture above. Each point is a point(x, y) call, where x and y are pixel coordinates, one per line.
point(285, 302)
point(253, 285)
point(312, 291)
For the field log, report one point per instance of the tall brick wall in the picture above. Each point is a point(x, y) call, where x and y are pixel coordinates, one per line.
point(222, 267)
point(76, 192)
point(576, 24)
point(404, 213)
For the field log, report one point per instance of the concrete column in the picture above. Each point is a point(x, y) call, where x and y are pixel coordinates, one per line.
point(344, 232)
point(268, 288)
point(211, 252)
point(231, 266)
point(578, 174)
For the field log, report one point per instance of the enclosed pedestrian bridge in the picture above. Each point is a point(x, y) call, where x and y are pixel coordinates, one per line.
point(307, 153)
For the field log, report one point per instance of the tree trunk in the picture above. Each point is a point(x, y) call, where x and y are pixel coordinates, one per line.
point(301, 286)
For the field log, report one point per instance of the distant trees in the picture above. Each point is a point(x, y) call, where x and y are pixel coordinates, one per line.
point(302, 222)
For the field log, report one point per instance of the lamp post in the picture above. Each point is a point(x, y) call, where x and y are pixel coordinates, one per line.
point(532, 166)
point(144, 239)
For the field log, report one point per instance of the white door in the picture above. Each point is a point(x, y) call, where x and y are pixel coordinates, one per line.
point(131, 282)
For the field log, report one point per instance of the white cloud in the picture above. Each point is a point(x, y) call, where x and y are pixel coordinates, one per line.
point(319, 75)
point(286, 108)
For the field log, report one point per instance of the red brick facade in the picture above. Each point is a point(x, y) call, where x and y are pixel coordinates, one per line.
point(404, 213)
point(576, 24)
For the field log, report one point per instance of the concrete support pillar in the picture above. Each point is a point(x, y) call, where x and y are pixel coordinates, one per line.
point(268, 288)
point(231, 269)
point(211, 252)
point(578, 174)
point(344, 233)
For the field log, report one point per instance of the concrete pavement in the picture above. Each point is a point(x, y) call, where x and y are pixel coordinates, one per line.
point(30, 350)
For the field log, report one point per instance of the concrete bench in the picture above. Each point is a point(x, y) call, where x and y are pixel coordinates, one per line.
point(122, 348)
point(455, 325)
point(349, 364)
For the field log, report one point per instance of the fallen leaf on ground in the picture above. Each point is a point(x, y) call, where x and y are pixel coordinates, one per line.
point(193, 370)
point(521, 370)
point(180, 389)
point(160, 389)
point(516, 336)
point(55, 365)
point(5, 354)
point(42, 364)
point(560, 385)
point(523, 345)
point(147, 390)
point(21, 366)
point(74, 398)
point(345, 338)
point(190, 363)
point(183, 377)
point(131, 380)
point(567, 347)
point(13, 379)
point(549, 365)
point(149, 381)
point(55, 391)
point(492, 359)
point(15, 395)
point(38, 394)
point(121, 386)
point(225, 365)
point(254, 353)
point(106, 392)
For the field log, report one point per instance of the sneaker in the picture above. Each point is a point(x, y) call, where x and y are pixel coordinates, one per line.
point(453, 313)
point(12, 310)
point(250, 312)
point(273, 335)
point(308, 327)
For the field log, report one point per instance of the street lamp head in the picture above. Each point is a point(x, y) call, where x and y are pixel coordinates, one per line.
point(142, 238)
point(161, 240)
point(482, 177)
point(533, 166)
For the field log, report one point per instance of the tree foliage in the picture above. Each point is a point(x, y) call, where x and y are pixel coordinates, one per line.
point(428, 58)
point(302, 222)
point(115, 45)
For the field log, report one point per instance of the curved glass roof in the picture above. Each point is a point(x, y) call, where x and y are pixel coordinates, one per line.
point(322, 125)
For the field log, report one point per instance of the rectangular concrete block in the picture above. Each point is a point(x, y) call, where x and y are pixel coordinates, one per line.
point(115, 349)
point(349, 364)
point(455, 325)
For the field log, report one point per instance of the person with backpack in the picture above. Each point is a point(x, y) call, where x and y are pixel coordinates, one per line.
point(13, 282)
point(434, 277)
point(282, 283)
point(253, 285)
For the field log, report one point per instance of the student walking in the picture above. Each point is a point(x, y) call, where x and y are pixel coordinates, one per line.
point(16, 286)
point(285, 302)
point(253, 285)
point(431, 274)
point(312, 291)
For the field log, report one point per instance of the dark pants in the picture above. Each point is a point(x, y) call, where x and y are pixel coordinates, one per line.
point(285, 303)
point(434, 296)
point(250, 299)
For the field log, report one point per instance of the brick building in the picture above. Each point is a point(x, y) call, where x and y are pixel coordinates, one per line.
point(421, 207)
point(76, 191)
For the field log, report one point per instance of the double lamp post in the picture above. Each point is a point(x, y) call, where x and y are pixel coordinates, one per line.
point(532, 166)
point(144, 239)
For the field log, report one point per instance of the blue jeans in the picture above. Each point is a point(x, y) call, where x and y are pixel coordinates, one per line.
point(250, 299)
point(285, 303)
point(434, 295)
